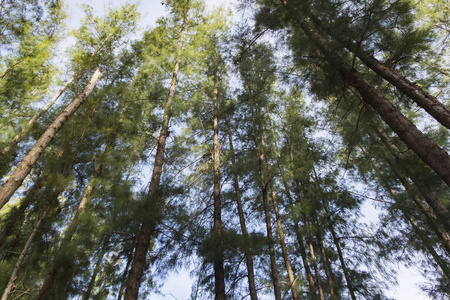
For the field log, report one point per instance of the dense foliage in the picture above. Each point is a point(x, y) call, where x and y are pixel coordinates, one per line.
point(299, 153)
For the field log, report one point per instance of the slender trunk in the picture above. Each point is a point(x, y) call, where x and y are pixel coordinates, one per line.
point(291, 276)
point(436, 109)
point(440, 210)
point(24, 168)
point(310, 245)
point(219, 275)
point(54, 269)
point(30, 123)
point(147, 228)
point(87, 293)
point(298, 232)
point(19, 213)
point(24, 252)
point(273, 264)
point(328, 271)
point(125, 274)
point(340, 255)
point(427, 244)
point(248, 256)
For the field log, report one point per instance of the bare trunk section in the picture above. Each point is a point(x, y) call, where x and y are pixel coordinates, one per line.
point(429, 103)
point(24, 168)
point(291, 276)
point(24, 252)
point(219, 275)
point(125, 275)
point(248, 256)
point(147, 228)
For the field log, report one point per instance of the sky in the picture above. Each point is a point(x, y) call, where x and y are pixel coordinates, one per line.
point(178, 285)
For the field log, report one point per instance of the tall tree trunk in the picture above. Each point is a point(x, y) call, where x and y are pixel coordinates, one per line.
point(273, 263)
point(248, 256)
point(429, 103)
point(125, 274)
point(310, 244)
point(24, 252)
point(427, 150)
point(340, 255)
point(147, 228)
point(219, 275)
point(295, 219)
point(328, 270)
point(55, 267)
point(439, 209)
point(97, 268)
point(24, 168)
point(284, 251)
point(30, 123)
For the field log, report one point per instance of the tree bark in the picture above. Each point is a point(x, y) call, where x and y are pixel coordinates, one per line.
point(429, 103)
point(87, 293)
point(148, 228)
point(24, 168)
point(273, 263)
point(219, 275)
point(427, 150)
point(310, 245)
point(340, 255)
point(54, 269)
point(24, 252)
point(248, 256)
point(284, 251)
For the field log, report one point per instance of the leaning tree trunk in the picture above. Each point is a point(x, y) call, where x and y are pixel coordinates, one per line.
point(148, 227)
point(97, 268)
point(429, 103)
point(54, 269)
point(219, 274)
point(248, 256)
point(426, 149)
point(24, 168)
point(24, 252)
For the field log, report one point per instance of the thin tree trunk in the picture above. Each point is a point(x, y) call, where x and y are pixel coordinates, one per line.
point(436, 109)
point(147, 228)
point(440, 210)
point(328, 271)
point(298, 233)
point(340, 255)
point(54, 269)
point(87, 293)
point(219, 275)
point(310, 245)
point(24, 252)
point(24, 168)
point(30, 123)
point(291, 276)
point(125, 274)
point(273, 263)
point(248, 256)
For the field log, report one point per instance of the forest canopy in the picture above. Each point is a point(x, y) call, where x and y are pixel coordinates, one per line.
point(277, 149)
